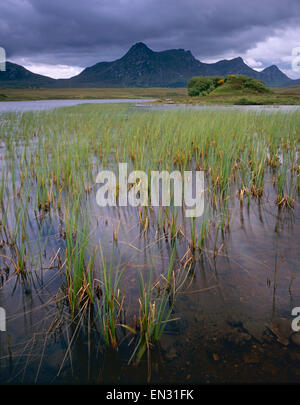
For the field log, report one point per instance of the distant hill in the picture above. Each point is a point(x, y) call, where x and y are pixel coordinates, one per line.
point(275, 78)
point(17, 76)
point(142, 67)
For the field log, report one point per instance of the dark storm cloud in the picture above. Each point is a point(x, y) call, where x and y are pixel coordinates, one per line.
point(82, 32)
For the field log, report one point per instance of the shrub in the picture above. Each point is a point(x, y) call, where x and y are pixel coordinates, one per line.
point(202, 86)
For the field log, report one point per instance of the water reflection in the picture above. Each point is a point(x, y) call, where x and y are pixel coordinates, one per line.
point(21, 106)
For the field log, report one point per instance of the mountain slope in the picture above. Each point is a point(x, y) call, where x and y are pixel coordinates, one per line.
point(17, 76)
point(142, 67)
point(275, 76)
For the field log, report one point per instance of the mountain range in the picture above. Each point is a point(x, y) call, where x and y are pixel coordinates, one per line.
point(143, 67)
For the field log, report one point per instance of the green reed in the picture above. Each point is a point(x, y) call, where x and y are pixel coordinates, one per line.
point(48, 170)
point(111, 301)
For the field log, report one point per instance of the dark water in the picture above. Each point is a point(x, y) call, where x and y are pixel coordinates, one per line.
point(223, 315)
point(246, 281)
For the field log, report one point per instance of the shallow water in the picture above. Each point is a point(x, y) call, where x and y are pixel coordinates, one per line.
point(20, 106)
point(39, 105)
point(221, 332)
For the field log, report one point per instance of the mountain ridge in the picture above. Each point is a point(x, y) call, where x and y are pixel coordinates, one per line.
point(140, 66)
point(16, 75)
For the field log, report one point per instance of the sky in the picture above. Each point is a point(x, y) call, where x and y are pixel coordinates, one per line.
point(58, 38)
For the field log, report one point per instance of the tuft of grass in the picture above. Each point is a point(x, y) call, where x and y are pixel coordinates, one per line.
point(154, 312)
point(111, 302)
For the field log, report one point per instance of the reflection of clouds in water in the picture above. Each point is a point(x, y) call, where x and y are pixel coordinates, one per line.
point(20, 106)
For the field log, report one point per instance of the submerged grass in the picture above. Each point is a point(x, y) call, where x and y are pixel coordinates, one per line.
point(111, 303)
point(78, 272)
point(48, 169)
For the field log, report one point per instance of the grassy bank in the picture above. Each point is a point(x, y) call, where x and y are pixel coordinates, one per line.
point(23, 94)
point(280, 96)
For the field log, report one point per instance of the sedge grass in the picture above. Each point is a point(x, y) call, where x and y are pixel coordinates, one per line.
point(50, 162)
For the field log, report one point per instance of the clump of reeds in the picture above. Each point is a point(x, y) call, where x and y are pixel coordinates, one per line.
point(78, 267)
point(111, 302)
point(154, 312)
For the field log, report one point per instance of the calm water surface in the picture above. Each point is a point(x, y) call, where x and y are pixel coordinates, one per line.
point(224, 330)
point(20, 106)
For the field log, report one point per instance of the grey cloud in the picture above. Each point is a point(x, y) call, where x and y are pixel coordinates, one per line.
point(84, 32)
